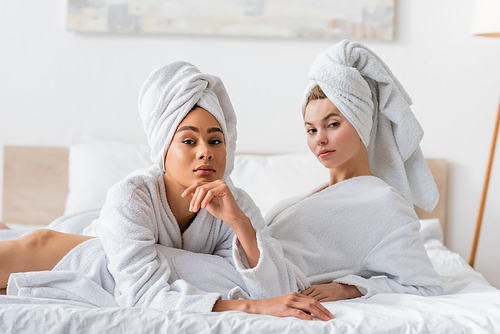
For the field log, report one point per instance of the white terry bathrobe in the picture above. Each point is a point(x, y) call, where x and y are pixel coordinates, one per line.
point(140, 257)
point(364, 231)
point(358, 232)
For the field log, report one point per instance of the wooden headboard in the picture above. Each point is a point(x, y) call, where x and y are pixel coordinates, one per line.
point(36, 185)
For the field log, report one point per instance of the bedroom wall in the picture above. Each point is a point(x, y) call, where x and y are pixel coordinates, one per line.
point(56, 86)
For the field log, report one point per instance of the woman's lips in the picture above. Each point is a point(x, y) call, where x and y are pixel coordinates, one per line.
point(325, 153)
point(204, 170)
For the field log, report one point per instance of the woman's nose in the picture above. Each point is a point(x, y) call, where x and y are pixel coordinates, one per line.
point(321, 138)
point(205, 152)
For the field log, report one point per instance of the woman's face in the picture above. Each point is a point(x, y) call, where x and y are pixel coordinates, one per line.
point(197, 151)
point(330, 136)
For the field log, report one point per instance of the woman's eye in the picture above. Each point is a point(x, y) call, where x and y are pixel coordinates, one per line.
point(311, 131)
point(188, 141)
point(216, 142)
point(333, 125)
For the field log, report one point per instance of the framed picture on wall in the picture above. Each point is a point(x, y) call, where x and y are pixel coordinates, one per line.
point(354, 19)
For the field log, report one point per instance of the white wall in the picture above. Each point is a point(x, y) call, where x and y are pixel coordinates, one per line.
point(56, 85)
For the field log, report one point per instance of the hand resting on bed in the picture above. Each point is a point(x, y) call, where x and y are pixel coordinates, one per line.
point(331, 292)
point(289, 305)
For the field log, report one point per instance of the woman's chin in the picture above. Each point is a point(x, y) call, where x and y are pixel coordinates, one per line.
point(207, 178)
point(327, 164)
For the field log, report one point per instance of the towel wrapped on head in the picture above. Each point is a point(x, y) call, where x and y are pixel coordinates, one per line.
point(170, 93)
point(370, 97)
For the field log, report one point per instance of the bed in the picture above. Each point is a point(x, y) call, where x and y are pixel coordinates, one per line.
point(41, 184)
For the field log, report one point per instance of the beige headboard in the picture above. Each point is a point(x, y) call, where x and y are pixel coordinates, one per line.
point(36, 185)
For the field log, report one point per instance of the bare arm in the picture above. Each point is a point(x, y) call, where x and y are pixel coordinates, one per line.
point(217, 198)
point(289, 305)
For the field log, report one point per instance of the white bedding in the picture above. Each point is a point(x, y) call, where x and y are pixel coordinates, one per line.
point(470, 305)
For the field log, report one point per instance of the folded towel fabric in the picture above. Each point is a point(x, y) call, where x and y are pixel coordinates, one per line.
point(169, 93)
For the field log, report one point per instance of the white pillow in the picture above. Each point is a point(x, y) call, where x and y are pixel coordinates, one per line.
point(94, 166)
point(269, 179)
point(430, 229)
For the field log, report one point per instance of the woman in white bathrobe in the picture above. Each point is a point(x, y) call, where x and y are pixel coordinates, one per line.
point(168, 237)
point(359, 234)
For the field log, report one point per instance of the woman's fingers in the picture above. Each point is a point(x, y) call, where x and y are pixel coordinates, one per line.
point(314, 291)
point(320, 293)
point(300, 314)
point(308, 291)
point(203, 193)
point(292, 305)
point(191, 189)
point(207, 193)
point(208, 197)
point(304, 306)
point(313, 296)
point(289, 305)
point(314, 307)
point(198, 196)
point(198, 190)
point(217, 198)
point(334, 291)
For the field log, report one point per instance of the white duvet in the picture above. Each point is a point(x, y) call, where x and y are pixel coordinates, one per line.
point(469, 305)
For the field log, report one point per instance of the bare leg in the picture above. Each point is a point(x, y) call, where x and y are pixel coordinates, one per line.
point(36, 251)
point(3, 227)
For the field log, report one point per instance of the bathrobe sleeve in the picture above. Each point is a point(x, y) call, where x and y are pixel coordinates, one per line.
point(273, 275)
point(397, 264)
point(127, 228)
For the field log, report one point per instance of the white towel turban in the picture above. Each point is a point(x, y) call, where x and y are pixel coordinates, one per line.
point(366, 92)
point(167, 96)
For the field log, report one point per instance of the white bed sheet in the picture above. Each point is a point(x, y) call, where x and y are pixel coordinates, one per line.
point(470, 305)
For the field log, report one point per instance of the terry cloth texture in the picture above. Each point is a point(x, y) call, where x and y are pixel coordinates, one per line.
point(169, 93)
point(358, 232)
point(140, 257)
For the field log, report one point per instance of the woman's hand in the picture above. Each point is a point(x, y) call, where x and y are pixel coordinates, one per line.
point(331, 292)
point(216, 198)
point(289, 305)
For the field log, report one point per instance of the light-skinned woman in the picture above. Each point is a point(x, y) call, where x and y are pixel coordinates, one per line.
point(358, 235)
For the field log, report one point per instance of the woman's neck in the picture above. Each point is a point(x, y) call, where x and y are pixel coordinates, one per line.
point(178, 205)
point(337, 175)
point(358, 166)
